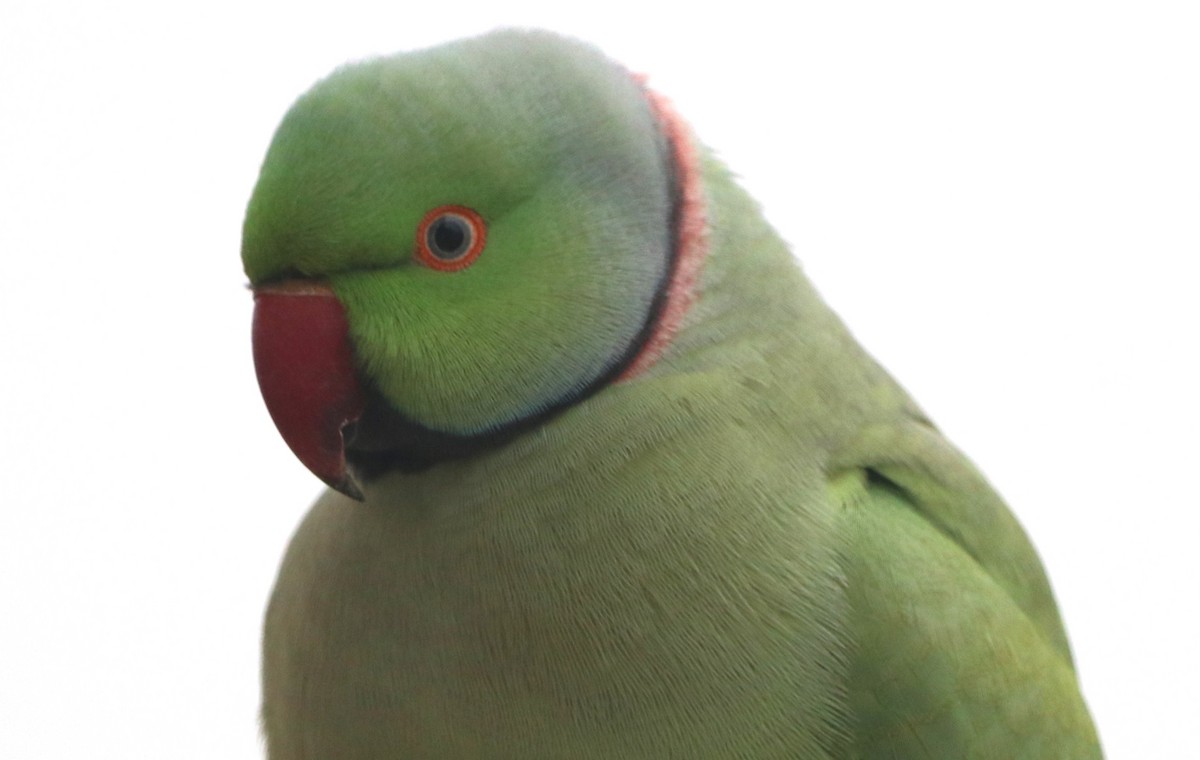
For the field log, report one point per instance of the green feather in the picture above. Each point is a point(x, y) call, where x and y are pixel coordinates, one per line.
point(532, 132)
point(757, 547)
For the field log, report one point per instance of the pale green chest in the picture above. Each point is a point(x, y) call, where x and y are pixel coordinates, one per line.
point(648, 594)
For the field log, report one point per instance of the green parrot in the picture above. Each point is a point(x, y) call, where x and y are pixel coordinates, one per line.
point(608, 479)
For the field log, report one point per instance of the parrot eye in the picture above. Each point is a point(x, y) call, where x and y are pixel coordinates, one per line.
point(450, 238)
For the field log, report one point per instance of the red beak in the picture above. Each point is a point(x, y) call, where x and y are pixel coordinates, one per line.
point(306, 373)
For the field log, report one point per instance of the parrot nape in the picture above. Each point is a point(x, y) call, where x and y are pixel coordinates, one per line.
point(608, 479)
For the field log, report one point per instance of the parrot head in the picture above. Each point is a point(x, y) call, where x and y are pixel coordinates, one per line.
point(448, 247)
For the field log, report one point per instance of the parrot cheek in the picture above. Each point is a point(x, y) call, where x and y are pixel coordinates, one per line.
point(305, 369)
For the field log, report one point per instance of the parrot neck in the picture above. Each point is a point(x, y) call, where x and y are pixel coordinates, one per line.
point(690, 240)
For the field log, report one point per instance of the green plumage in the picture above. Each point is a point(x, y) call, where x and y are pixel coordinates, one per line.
point(536, 142)
point(757, 547)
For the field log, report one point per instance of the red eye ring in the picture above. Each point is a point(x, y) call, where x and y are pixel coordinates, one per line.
point(450, 238)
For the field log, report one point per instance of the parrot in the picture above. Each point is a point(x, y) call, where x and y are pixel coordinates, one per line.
point(607, 477)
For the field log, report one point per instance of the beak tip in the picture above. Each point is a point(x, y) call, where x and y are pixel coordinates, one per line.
point(347, 485)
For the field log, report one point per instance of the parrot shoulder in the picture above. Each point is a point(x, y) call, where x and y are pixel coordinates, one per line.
point(960, 651)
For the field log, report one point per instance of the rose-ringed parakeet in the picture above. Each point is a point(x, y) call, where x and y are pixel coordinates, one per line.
point(609, 480)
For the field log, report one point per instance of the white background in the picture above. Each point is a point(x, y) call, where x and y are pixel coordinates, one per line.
point(1001, 202)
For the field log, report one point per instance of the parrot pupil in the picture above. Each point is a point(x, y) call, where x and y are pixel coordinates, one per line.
point(448, 237)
